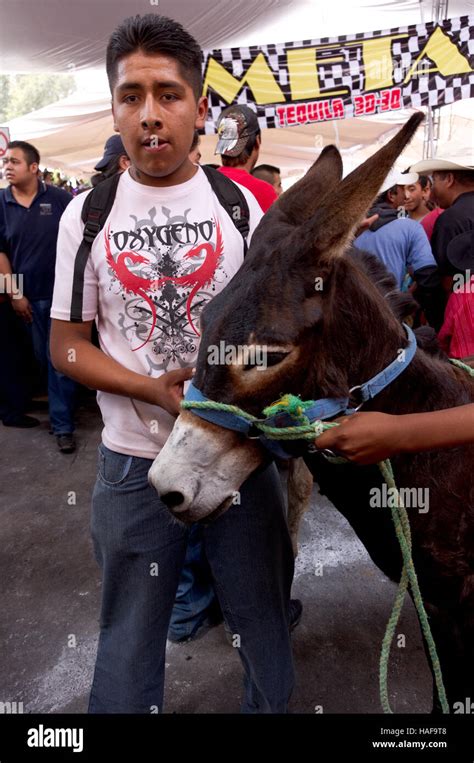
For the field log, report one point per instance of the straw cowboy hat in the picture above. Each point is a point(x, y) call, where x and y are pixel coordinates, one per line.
point(455, 164)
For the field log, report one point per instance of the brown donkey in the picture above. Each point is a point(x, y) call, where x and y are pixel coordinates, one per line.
point(321, 342)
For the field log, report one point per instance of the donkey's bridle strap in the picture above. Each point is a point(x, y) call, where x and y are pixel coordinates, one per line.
point(232, 417)
point(226, 419)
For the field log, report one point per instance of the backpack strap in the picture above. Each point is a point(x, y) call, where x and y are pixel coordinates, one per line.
point(99, 203)
point(95, 212)
point(232, 199)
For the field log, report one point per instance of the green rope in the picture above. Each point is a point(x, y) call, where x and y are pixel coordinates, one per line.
point(409, 577)
point(309, 431)
point(462, 365)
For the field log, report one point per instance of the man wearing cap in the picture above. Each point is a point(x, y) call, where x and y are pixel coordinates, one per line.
point(114, 160)
point(453, 189)
point(239, 146)
point(401, 244)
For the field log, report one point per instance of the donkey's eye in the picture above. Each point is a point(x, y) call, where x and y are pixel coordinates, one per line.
point(266, 361)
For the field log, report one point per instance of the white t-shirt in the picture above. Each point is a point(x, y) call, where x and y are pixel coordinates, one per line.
point(161, 256)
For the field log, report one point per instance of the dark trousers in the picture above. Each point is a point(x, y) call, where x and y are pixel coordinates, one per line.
point(61, 390)
point(141, 550)
point(14, 353)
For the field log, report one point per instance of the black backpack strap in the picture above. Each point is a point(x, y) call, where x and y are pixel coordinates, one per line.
point(232, 199)
point(95, 212)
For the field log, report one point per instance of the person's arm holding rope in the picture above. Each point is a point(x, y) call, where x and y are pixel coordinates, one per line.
point(368, 438)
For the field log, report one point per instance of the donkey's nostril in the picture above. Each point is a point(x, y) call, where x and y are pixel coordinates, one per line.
point(172, 499)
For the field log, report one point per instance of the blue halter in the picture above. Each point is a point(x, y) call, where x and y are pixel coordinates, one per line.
point(321, 410)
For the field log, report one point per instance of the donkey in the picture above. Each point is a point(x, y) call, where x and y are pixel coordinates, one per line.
point(324, 343)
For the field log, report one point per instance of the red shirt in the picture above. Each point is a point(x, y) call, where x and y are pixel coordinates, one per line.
point(456, 336)
point(263, 191)
point(428, 221)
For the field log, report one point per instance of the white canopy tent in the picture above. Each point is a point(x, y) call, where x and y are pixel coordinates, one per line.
point(70, 134)
point(66, 35)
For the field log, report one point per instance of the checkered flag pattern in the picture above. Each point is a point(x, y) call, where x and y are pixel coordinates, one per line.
point(348, 74)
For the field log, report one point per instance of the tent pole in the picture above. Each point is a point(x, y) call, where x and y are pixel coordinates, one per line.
point(433, 122)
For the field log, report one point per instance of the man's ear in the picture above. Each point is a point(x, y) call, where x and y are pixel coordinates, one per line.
point(202, 108)
point(391, 197)
point(451, 179)
point(124, 162)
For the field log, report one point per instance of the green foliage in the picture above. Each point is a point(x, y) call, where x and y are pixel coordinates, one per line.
point(22, 93)
point(4, 96)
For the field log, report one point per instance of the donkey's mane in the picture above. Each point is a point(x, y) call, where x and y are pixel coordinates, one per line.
point(401, 303)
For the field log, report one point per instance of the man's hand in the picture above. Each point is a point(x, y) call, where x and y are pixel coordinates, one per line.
point(365, 224)
point(73, 353)
point(22, 308)
point(365, 438)
point(170, 389)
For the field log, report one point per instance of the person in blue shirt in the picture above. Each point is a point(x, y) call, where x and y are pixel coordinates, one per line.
point(402, 245)
point(30, 212)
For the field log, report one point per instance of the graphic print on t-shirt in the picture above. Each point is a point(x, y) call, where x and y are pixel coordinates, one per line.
point(165, 274)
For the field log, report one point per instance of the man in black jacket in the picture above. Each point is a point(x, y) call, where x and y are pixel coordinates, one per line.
point(453, 189)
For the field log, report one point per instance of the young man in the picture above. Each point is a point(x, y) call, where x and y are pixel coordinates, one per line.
point(239, 145)
point(114, 160)
point(143, 283)
point(269, 174)
point(419, 203)
point(30, 212)
point(417, 197)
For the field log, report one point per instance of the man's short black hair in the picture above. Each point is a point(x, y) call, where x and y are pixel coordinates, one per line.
point(425, 181)
point(154, 34)
point(31, 153)
point(266, 168)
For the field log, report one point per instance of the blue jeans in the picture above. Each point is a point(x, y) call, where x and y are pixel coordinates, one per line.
point(141, 549)
point(61, 389)
point(196, 602)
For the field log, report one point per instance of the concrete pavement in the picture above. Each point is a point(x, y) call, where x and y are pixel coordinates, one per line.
point(51, 597)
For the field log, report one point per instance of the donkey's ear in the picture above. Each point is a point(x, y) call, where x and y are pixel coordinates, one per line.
point(333, 225)
point(300, 202)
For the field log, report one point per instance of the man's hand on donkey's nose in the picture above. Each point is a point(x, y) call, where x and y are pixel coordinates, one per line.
point(365, 438)
point(170, 389)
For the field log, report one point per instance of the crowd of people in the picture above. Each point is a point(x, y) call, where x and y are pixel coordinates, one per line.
point(70, 184)
point(421, 227)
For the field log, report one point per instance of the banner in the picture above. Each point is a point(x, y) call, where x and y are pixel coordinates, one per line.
point(298, 83)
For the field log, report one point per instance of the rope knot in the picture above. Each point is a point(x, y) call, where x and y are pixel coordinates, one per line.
point(291, 404)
